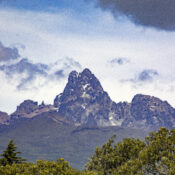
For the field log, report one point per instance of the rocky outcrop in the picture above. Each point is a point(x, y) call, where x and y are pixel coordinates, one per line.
point(4, 118)
point(151, 112)
point(25, 108)
point(29, 109)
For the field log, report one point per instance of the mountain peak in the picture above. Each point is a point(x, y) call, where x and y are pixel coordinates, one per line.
point(81, 83)
point(83, 98)
point(86, 72)
point(79, 80)
point(73, 76)
point(149, 111)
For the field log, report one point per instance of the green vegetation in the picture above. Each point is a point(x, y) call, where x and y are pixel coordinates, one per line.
point(42, 167)
point(9, 156)
point(155, 156)
point(135, 157)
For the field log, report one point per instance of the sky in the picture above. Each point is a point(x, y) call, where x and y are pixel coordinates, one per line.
point(128, 45)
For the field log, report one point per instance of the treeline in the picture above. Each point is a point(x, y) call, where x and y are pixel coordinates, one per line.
point(154, 156)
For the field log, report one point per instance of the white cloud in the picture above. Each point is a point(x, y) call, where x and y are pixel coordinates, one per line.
point(92, 40)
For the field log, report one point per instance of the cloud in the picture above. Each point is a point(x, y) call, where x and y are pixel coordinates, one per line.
point(147, 75)
point(7, 53)
point(62, 67)
point(70, 62)
point(119, 61)
point(50, 37)
point(59, 73)
point(27, 72)
point(159, 14)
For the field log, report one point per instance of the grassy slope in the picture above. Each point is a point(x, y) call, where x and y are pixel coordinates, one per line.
point(42, 138)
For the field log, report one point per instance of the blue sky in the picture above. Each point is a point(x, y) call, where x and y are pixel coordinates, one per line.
point(42, 41)
point(47, 5)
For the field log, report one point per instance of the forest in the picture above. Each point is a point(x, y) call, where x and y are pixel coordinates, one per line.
point(153, 156)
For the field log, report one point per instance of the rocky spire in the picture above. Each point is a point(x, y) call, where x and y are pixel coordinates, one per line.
point(83, 99)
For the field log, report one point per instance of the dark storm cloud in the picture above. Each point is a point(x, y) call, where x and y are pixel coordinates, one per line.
point(7, 53)
point(159, 14)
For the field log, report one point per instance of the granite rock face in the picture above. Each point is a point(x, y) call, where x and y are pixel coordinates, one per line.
point(26, 107)
point(29, 109)
point(151, 112)
point(84, 101)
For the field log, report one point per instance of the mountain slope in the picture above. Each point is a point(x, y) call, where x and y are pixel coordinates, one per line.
point(49, 137)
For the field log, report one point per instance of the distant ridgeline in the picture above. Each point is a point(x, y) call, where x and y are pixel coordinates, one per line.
point(84, 102)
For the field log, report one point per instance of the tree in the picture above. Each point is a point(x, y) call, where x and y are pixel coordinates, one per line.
point(42, 167)
point(159, 155)
point(9, 156)
point(155, 156)
point(111, 156)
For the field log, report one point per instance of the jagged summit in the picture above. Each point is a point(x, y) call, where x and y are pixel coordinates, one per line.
point(85, 73)
point(82, 86)
point(73, 76)
point(84, 101)
point(84, 78)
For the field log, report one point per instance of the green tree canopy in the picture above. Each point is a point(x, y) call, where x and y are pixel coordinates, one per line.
point(42, 167)
point(9, 155)
point(132, 156)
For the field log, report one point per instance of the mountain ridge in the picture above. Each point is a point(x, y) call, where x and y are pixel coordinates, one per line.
point(84, 102)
